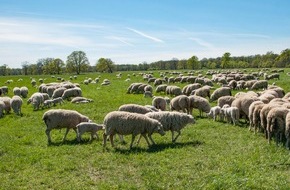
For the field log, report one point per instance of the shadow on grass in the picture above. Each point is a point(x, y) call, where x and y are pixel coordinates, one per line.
point(158, 147)
point(74, 142)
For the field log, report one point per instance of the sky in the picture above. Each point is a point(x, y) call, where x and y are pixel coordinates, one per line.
point(137, 31)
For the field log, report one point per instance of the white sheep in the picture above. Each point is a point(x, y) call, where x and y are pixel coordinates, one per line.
point(222, 91)
point(260, 84)
point(126, 123)
point(225, 100)
point(24, 91)
point(36, 100)
point(173, 121)
point(16, 104)
point(161, 88)
point(202, 92)
point(180, 102)
point(214, 112)
point(199, 103)
point(91, 127)
point(287, 130)
point(72, 92)
point(58, 100)
point(232, 114)
point(6, 101)
point(159, 103)
point(254, 114)
point(16, 91)
point(134, 108)
point(2, 108)
point(58, 92)
point(148, 94)
point(47, 103)
point(61, 118)
point(79, 99)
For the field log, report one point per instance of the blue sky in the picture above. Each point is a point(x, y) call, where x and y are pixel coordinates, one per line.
point(134, 31)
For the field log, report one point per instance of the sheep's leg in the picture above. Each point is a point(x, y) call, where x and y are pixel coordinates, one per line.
point(133, 138)
point(66, 132)
point(138, 141)
point(79, 137)
point(121, 137)
point(145, 136)
point(151, 139)
point(172, 135)
point(288, 143)
point(104, 140)
point(112, 140)
point(178, 133)
point(47, 132)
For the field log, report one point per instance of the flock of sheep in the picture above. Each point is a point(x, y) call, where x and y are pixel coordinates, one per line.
point(266, 110)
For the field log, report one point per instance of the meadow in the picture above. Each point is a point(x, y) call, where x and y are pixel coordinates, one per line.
point(207, 155)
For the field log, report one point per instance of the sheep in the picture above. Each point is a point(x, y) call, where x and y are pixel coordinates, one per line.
point(159, 103)
point(276, 123)
point(24, 91)
point(80, 99)
point(16, 91)
point(133, 88)
point(72, 92)
point(260, 84)
point(180, 102)
point(58, 100)
point(287, 131)
point(134, 108)
point(225, 100)
point(105, 82)
point(33, 83)
point(4, 90)
point(47, 103)
point(161, 88)
point(50, 90)
point(6, 101)
point(202, 92)
point(61, 118)
point(58, 92)
point(190, 87)
point(148, 94)
point(173, 90)
point(2, 108)
point(222, 91)
point(16, 103)
point(173, 121)
point(45, 96)
point(91, 127)
point(36, 100)
point(199, 103)
point(126, 123)
point(231, 113)
point(254, 114)
point(214, 112)
point(280, 91)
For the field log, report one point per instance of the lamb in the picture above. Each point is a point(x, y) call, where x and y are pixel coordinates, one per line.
point(173, 121)
point(24, 91)
point(16, 91)
point(222, 91)
point(126, 123)
point(61, 118)
point(36, 100)
point(276, 123)
point(180, 102)
point(2, 108)
point(80, 99)
point(91, 127)
point(6, 101)
point(47, 103)
point(134, 108)
point(159, 103)
point(225, 100)
point(58, 100)
point(72, 92)
point(214, 112)
point(16, 103)
point(199, 103)
point(232, 114)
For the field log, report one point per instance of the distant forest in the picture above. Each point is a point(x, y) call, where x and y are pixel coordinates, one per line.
point(77, 63)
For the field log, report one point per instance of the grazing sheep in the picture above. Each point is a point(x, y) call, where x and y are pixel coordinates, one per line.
point(24, 91)
point(133, 88)
point(50, 90)
point(276, 123)
point(93, 128)
point(222, 91)
point(173, 90)
point(225, 100)
point(159, 103)
point(231, 113)
point(72, 92)
point(33, 82)
point(161, 88)
point(36, 100)
point(202, 92)
point(173, 121)
point(16, 91)
point(254, 114)
point(148, 94)
point(2, 108)
point(61, 118)
point(180, 102)
point(190, 87)
point(4, 90)
point(260, 84)
point(287, 131)
point(58, 100)
point(47, 103)
point(134, 108)
point(6, 101)
point(214, 112)
point(126, 123)
point(45, 96)
point(199, 103)
point(80, 99)
point(16, 103)
point(58, 92)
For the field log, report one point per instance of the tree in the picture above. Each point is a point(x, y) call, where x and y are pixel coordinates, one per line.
point(25, 68)
point(283, 60)
point(105, 65)
point(182, 64)
point(226, 60)
point(77, 61)
point(193, 63)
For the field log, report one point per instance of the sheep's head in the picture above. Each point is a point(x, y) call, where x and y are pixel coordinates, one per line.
point(159, 128)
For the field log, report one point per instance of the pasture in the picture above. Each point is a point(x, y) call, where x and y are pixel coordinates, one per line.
point(207, 155)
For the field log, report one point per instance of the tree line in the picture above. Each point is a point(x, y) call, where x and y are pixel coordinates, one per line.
point(78, 62)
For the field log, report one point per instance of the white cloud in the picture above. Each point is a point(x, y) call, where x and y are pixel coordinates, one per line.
point(202, 43)
point(145, 35)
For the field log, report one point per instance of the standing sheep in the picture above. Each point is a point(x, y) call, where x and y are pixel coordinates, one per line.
point(6, 101)
point(232, 114)
point(93, 128)
point(72, 92)
point(16, 91)
point(16, 103)
point(199, 103)
point(24, 91)
point(225, 100)
point(126, 123)
point(36, 100)
point(180, 102)
point(173, 121)
point(287, 131)
point(2, 108)
point(60, 118)
point(159, 103)
point(222, 91)
point(214, 112)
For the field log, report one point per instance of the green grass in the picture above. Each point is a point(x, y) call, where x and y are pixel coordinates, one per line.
point(207, 155)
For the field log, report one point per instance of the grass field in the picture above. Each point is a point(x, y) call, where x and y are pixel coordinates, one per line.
point(207, 155)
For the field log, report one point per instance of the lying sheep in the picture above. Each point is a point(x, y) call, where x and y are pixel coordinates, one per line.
point(173, 121)
point(134, 108)
point(61, 118)
point(72, 92)
point(222, 91)
point(199, 103)
point(24, 91)
point(126, 123)
point(180, 102)
point(93, 128)
point(214, 112)
point(159, 103)
point(36, 100)
point(80, 99)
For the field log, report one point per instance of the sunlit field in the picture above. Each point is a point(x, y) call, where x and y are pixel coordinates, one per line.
point(207, 155)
